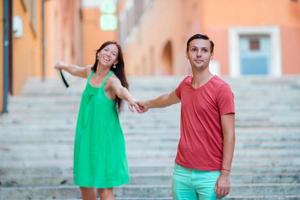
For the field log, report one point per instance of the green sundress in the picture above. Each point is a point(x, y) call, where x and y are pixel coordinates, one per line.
point(99, 151)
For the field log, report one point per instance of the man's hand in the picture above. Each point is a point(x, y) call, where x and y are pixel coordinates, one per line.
point(223, 185)
point(143, 105)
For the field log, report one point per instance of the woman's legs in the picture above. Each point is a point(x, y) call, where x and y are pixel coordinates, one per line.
point(88, 193)
point(106, 194)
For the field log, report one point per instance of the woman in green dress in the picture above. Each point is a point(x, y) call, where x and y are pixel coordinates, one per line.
point(100, 161)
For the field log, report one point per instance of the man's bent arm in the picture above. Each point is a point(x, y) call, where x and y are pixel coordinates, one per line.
point(163, 100)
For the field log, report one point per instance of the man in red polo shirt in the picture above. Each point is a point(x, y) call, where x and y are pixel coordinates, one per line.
point(207, 130)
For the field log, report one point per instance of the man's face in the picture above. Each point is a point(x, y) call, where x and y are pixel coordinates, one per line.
point(199, 53)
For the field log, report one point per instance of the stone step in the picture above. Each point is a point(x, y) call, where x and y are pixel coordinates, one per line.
point(54, 192)
point(144, 179)
point(286, 197)
point(66, 151)
point(266, 158)
point(69, 103)
point(69, 99)
point(31, 140)
point(133, 138)
point(144, 168)
point(141, 129)
point(265, 108)
point(251, 119)
point(293, 161)
point(62, 101)
point(32, 144)
point(159, 82)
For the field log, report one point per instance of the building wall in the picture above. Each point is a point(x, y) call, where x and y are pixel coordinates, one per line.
point(27, 48)
point(62, 38)
point(53, 47)
point(63, 33)
point(162, 23)
point(1, 55)
point(290, 49)
point(217, 17)
point(92, 35)
point(175, 21)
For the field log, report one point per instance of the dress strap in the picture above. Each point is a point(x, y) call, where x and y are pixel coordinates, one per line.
point(108, 75)
point(90, 75)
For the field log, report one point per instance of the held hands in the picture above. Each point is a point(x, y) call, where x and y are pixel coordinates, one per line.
point(144, 106)
point(133, 106)
point(223, 185)
point(138, 106)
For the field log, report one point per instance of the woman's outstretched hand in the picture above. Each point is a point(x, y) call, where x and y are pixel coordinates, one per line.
point(133, 106)
point(58, 65)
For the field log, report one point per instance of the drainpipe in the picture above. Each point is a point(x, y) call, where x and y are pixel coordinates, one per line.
point(7, 51)
point(43, 42)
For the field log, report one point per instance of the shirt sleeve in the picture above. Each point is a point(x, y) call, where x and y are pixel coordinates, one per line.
point(179, 88)
point(178, 92)
point(225, 100)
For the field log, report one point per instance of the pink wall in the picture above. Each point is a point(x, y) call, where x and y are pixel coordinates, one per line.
point(177, 20)
point(218, 16)
point(290, 50)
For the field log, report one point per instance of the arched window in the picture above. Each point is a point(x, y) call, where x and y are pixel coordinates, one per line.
point(167, 59)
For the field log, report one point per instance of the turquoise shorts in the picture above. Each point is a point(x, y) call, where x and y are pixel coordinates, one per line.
point(189, 184)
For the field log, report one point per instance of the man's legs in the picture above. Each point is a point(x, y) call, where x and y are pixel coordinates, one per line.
point(204, 183)
point(194, 184)
point(182, 184)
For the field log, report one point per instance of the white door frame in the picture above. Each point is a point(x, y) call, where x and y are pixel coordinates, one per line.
point(234, 52)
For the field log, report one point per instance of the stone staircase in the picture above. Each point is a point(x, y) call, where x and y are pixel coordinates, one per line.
point(36, 141)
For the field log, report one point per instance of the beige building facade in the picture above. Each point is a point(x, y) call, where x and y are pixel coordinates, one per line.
point(252, 37)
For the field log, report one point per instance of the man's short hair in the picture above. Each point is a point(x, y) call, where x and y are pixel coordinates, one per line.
point(202, 37)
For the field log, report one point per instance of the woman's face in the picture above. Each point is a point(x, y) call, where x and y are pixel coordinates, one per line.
point(108, 55)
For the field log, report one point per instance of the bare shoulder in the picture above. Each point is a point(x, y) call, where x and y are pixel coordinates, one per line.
point(88, 69)
point(113, 83)
point(113, 80)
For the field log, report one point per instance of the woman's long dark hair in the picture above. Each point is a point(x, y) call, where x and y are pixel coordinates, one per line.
point(118, 70)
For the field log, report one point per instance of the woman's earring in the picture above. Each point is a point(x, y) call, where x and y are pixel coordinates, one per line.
point(114, 66)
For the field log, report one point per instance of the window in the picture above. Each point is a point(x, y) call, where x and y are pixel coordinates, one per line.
point(108, 19)
point(254, 44)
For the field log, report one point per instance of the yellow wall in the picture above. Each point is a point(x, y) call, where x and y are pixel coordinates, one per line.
point(1, 56)
point(62, 39)
point(92, 35)
point(51, 49)
point(63, 32)
point(290, 49)
point(163, 22)
point(26, 49)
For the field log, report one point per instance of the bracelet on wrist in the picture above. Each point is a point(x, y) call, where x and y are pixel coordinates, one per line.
point(224, 169)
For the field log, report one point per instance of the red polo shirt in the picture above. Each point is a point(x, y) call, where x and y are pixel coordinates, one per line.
point(201, 139)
